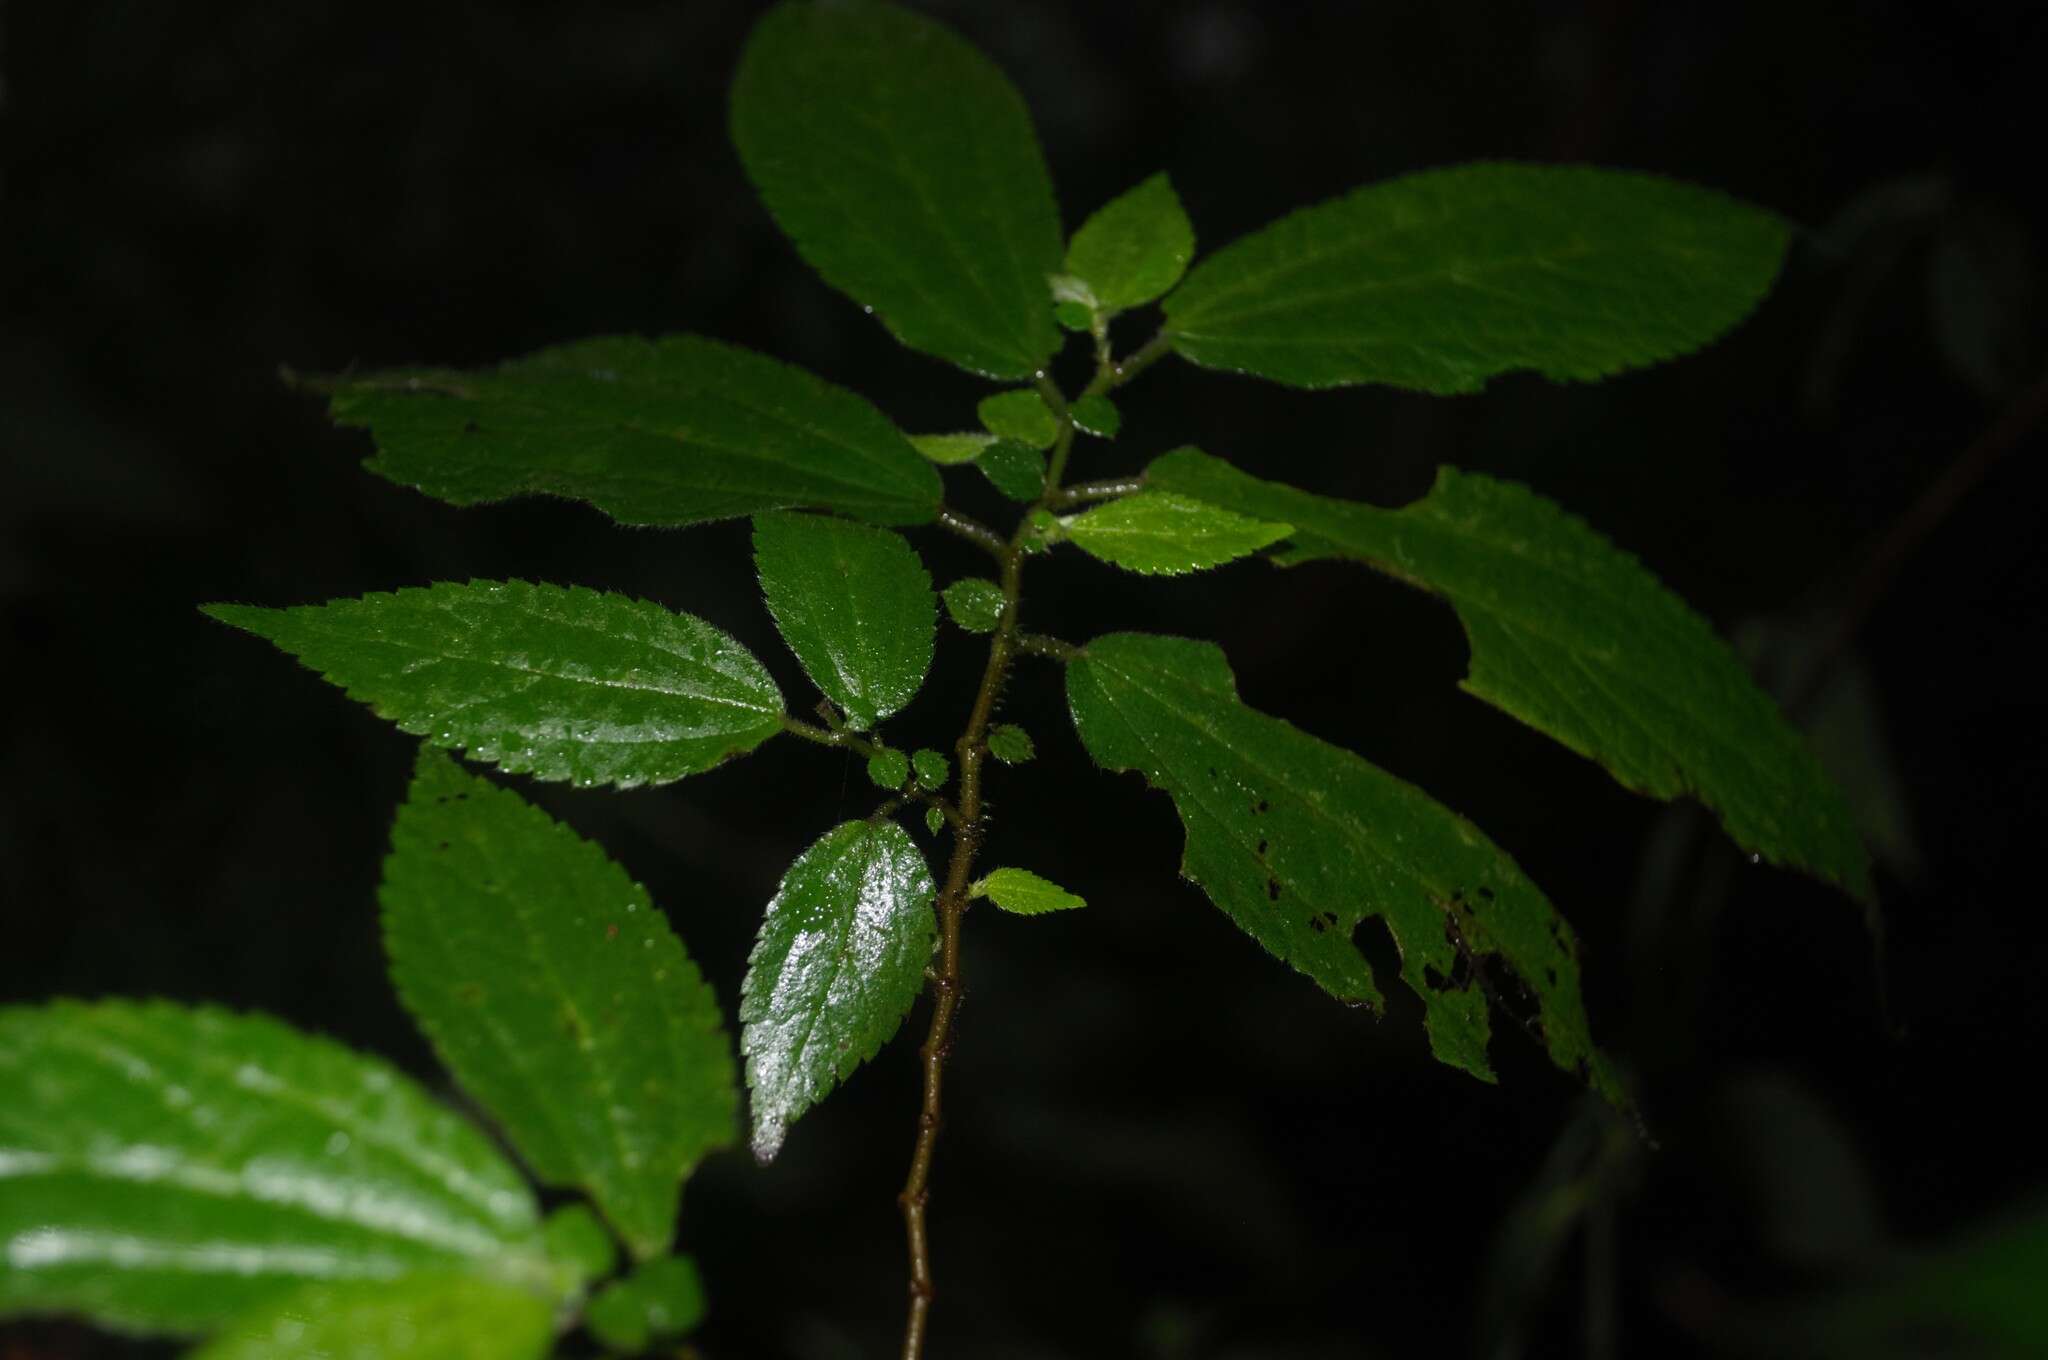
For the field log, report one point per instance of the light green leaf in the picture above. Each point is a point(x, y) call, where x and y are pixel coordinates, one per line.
point(1438, 281)
point(1299, 842)
point(1021, 415)
point(438, 1315)
point(1074, 316)
point(164, 1168)
point(671, 431)
point(577, 1238)
point(889, 769)
point(1097, 415)
point(1571, 635)
point(661, 1299)
point(558, 996)
point(1023, 892)
point(1161, 534)
point(1010, 744)
point(1135, 247)
point(856, 606)
point(933, 770)
point(903, 165)
point(559, 683)
point(975, 603)
point(951, 449)
point(1013, 469)
point(838, 964)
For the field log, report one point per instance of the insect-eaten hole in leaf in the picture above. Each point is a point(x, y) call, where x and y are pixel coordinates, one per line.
point(1503, 986)
point(1374, 940)
point(1322, 921)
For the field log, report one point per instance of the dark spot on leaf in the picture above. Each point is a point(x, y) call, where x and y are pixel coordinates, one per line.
point(1317, 924)
point(1273, 889)
point(1584, 1069)
point(1261, 850)
point(440, 797)
point(1551, 973)
point(1212, 772)
point(469, 427)
point(442, 846)
point(1262, 806)
point(1435, 981)
point(1486, 893)
point(470, 993)
point(611, 932)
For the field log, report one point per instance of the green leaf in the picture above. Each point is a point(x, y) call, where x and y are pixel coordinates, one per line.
point(673, 431)
point(1135, 247)
point(1571, 635)
point(662, 1299)
point(934, 820)
point(838, 963)
point(952, 449)
point(163, 1168)
point(1299, 842)
point(933, 770)
point(1010, 744)
point(903, 165)
point(1097, 415)
point(559, 683)
point(1024, 892)
point(1074, 316)
point(1161, 534)
point(1438, 281)
point(577, 1238)
point(1021, 415)
point(558, 996)
point(889, 769)
point(856, 606)
point(1013, 469)
point(975, 603)
point(438, 1315)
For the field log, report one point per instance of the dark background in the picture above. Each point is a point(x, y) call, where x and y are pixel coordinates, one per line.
point(1161, 1143)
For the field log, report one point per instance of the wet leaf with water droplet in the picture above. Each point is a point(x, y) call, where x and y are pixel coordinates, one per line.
point(975, 603)
point(889, 769)
point(164, 1168)
point(542, 680)
point(436, 1315)
point(933, 769)
point(1016, 470)
point(838, 963)
point(581, 1026)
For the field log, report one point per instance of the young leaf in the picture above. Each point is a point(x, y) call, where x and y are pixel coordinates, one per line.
point(1571, 635)
point(1097, 415)
point(577, 1238)
point(952, 449)
point(1135, 247)
point(1021, 415)
point(975, 603)
point(559, 683)
point(1299, 842)
point(662, 1299)
point(934, 820)
point(164, 1168)
point(558, 996)
point(671, 431)
point(839, 961)
point(1014, 469)
point(1161, 534)
point(1010, 744)
point(856, 606)
point(437, 1315)
point(1025, 893)
point(903, 165)
point(1438, 281)
point(888, 769)
point(933, 770)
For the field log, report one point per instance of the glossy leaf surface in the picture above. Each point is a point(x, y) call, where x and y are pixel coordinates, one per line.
point(888, 769)
point(975, 603)
point(1437, 281)
point(1574, 637)
point(430, 1316)
point(1025, 893)
point(952, 449)
point(837, 965)
point(1097, 415)
point(558, 996)
point(673, 431)
point(163, 1168)
point(1134, 247)
point(904, 167)
point(1021, 415)
point(1016, 470)
point(1158, 533)
point(1299, 842)
point(1010, 744)
point(559, 683)
point(856, 606)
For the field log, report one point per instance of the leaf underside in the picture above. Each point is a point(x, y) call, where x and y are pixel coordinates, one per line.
point(163, 1168)
point(1299, 842)
point(556, 682)
point(558, 997)
point(1440, 280)
point(674, 431)
point(903, 165)
point(1572, 636)
point(838, 963)
point(434, 1315)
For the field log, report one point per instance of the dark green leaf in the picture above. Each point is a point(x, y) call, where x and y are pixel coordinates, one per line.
point(932, 769)
point(1097, 415)
point(1572, 636)
point(1022, 416)
point(1074, 316)
point(1025, 893)
point(839, 961)
point(934, 820)
point(950, 449)
point(558, 996)
point(1010, 744)
point(1158, 533)
point(975, 603)
point(1135, 247)
point(1437, 281)
point(437, 1315)
point(1013, 469)
point(1300, 842)
point(889, 769)
point(903, 165)
point(165, 1168)
point(671, 431)
point(662, 1299)
point(856, 606)
point(560, 683)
